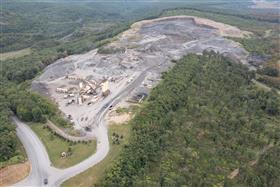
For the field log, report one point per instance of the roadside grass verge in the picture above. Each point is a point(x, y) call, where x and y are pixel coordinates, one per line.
point(64, 125)
point(92, 176)
point(15, 54)
point(56, 145)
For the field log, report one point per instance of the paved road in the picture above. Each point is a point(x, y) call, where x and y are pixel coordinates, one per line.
point(37, 155)
point(40, 163)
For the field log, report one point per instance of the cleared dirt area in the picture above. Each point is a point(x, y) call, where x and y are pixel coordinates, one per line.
point(11, 174)
point(78, 82)
point(115, 118)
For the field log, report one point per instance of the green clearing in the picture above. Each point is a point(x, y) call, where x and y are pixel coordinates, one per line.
point(94, 174)
point(15, 54)
point(55, 146)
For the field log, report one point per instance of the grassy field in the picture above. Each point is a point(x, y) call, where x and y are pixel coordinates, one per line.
point(94, 174)
point(15, 54)
point(55, 146)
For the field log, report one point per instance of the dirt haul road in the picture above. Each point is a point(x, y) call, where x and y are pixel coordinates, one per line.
point(135, 61)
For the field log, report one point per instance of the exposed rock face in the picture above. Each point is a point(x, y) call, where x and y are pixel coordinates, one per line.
point(165, 38)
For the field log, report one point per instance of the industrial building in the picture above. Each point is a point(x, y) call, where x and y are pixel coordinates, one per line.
point(83, 90)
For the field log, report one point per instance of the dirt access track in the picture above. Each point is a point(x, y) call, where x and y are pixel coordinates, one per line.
point(148, 46)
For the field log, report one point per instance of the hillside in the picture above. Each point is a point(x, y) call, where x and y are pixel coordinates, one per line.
point(43, 24)
point(202, 122)
point(206, 119)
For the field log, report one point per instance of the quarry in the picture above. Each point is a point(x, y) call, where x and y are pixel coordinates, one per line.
point(129, 67)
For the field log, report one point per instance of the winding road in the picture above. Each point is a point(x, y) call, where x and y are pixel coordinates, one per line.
point(41, 166)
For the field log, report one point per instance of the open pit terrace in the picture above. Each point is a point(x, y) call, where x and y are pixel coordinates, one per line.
point(83, 84)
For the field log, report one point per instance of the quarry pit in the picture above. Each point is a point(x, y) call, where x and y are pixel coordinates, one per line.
point(83, 84)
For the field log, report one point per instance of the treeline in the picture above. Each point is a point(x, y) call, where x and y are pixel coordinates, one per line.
point(266, 46)
point(8, 144)
point(226, 9)
point(270, 74)
point(203, 121)
point(28, 106)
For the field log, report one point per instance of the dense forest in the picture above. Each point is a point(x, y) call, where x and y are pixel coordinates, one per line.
point(41, 25)
point(55, 30)
point(45, 24)
point(202, 122)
